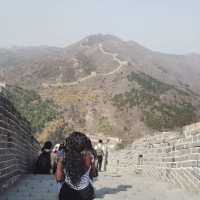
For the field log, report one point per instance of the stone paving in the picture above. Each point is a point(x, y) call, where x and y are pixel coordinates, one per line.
point(121, 181)
point(33, 187)
point(109, 186)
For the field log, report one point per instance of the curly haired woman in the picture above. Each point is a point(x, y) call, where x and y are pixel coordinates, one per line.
point(76, 168)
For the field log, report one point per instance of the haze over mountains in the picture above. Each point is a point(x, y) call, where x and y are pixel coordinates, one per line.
point(107, 85)
point(46, 64)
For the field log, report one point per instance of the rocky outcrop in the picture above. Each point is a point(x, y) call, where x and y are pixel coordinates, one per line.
point(18, 148)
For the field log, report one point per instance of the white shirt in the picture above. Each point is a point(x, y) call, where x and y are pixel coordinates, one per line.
point(84, 182)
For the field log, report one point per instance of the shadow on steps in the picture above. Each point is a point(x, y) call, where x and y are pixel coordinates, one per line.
point(104, 191)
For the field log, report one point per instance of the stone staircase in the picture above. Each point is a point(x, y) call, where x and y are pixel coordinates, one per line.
point(123, 180)
point(33, 187)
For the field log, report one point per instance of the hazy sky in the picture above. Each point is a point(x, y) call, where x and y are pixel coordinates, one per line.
point(163, 25)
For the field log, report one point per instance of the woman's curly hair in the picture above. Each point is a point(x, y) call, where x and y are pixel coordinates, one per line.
point(76, 143)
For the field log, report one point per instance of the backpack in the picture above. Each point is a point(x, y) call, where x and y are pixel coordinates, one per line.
point(43, 164)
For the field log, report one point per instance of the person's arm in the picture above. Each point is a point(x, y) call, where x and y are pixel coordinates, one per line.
point(88, 160)
point(103, 150)
point(60, 175)
point(90, 164)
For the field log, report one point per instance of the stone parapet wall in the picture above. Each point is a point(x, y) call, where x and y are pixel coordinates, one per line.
point(18, 148)
point(171, 156)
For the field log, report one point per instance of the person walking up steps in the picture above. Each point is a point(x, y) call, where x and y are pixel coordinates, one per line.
point(105, 163)
point(75, 169)
point(54, 157)
point(43, 165)
point(100, 153)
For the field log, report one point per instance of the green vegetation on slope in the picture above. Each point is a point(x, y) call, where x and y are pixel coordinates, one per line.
point(148, 83)
point(104, 126)
point(30, 105)
point(167, 117)
point(158, 114)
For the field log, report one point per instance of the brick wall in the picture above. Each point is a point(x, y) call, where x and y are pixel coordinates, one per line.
point(18, 148)
point(171, 156)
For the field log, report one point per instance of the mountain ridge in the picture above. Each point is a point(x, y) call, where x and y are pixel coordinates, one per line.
point(103, 84)
point(137, 53)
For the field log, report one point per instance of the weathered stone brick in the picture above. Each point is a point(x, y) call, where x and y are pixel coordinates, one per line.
point(18, 149)
point(176, 153)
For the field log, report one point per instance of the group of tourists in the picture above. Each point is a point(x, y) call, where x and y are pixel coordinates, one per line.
point(74, 163)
